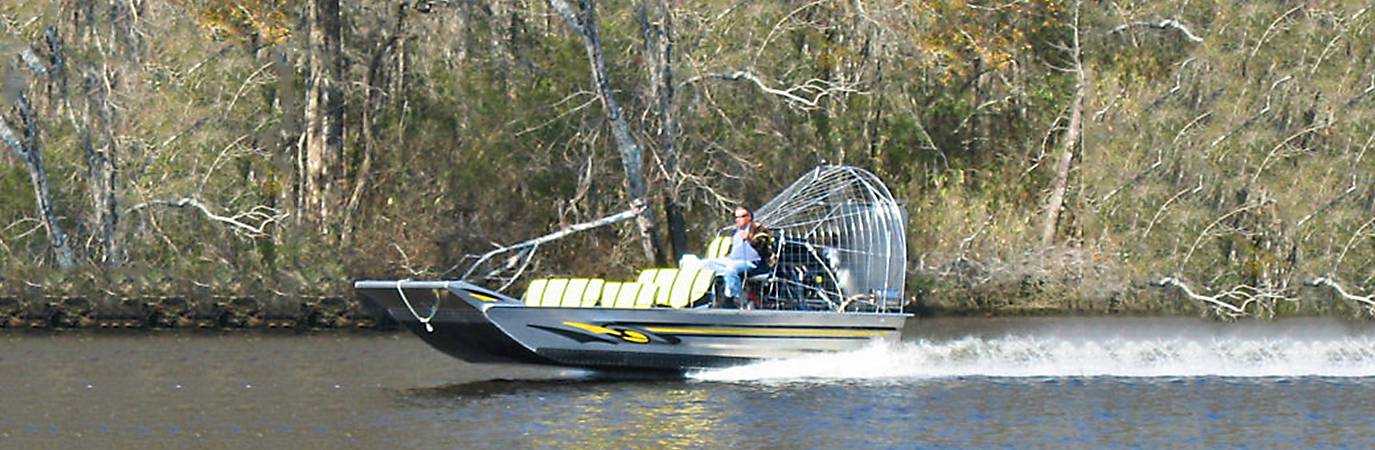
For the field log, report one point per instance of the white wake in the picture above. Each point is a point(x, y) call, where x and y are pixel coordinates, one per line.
point(1050, 356)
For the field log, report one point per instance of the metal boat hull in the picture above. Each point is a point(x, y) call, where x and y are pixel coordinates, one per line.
point(478, 325)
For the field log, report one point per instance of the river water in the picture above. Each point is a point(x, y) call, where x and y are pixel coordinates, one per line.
point(1028, 382)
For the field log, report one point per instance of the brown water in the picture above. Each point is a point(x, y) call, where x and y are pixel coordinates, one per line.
point(1049, 382)
point(181, 389)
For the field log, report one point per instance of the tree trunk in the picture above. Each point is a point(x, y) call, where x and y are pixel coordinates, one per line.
point(30, 151)
point(658, 37)
point(1065, 163)
point(324, 115)
point(101, 167)
point(375, 82)
point(585, 24)
point(285, 174)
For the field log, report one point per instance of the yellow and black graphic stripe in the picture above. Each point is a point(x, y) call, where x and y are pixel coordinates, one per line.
point(767, 332)
point(627, 335)
point(608, 333)
point(672, 333)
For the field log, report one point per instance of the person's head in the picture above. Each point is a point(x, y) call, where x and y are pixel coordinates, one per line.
point(743, 216)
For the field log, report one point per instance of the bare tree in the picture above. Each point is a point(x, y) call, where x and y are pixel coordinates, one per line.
point(584, 23)
point(97, 139)
point(288, 132)
point(30, 151)
point(1060, 184)
point(102, 171)
point(375, 81)
point(324, 114)
point(656, 23)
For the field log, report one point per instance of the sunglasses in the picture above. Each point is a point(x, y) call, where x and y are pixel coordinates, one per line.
point(742, 217)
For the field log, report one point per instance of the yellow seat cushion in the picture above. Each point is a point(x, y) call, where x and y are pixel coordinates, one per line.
point(678, 288)
point(719, 247)
point(535, 292)
point(628, 295)
point(582, 292)
point(564, 292)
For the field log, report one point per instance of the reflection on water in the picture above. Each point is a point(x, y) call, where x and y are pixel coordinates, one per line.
point(961, 383)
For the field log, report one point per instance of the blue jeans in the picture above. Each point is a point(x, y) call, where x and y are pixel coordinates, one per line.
point(733, 270)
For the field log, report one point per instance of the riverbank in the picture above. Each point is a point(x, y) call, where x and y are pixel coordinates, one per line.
point(38, 309)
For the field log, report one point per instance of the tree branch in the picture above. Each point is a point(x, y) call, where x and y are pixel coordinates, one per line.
point(1164, 24)
point(1219, 304)
point(1329, 205)
point(252, 223)
point(818, 89)
point(513, 261)
point(1367, 301)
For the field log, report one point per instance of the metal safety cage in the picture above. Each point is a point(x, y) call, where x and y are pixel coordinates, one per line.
point(840, 244)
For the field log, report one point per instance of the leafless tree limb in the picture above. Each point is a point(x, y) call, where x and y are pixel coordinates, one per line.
point(1358, 97)
point(1332, 44)
point(1166, 204)
point(1329, 205)
point(1366, 302)
point(1163, 24)
point(406, 261)
point(252, 223)
point(1275, 150)
point(1256, 116)
point(1271, 28)
point(817, 89)
point(1203, 234)
point(534, 243)
point(1159, 161)
point(1222, 305)
point(1356, 236)
point(779, 25)
point(33, 62)
point(561, 115)
point(1098, 116)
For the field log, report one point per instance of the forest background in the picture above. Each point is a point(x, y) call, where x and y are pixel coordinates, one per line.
point(1110, 156)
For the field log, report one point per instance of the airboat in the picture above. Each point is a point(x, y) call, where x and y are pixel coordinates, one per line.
point(835, 283)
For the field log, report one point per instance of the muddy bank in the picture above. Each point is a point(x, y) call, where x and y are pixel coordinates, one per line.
point(39, 307)
point(34, 306)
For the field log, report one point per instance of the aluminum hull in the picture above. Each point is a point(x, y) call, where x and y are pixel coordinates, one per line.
point(478, 325)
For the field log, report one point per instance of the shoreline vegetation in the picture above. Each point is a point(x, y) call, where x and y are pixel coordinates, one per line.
point(189, 305)
point(238, 163)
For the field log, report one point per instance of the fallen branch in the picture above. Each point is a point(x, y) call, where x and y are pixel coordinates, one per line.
point(533, 244)
point(1164, 24)
point(1329, 205)
point(1357, 98)
point(1247, 295)
point(1365, 301)
point(406, 261)
point(252, 223)
point(1203, 234)
point(1271, 28)
point(816, 88)
point(1159, 161)
point(1251, 120)
point(1356, 236)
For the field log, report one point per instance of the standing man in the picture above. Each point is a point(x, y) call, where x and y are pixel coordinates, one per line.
point(743, 255)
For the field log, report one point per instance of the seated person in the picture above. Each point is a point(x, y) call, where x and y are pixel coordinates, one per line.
point(744, 254)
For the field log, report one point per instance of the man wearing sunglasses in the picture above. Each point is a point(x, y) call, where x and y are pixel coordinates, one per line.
point(743, 256)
